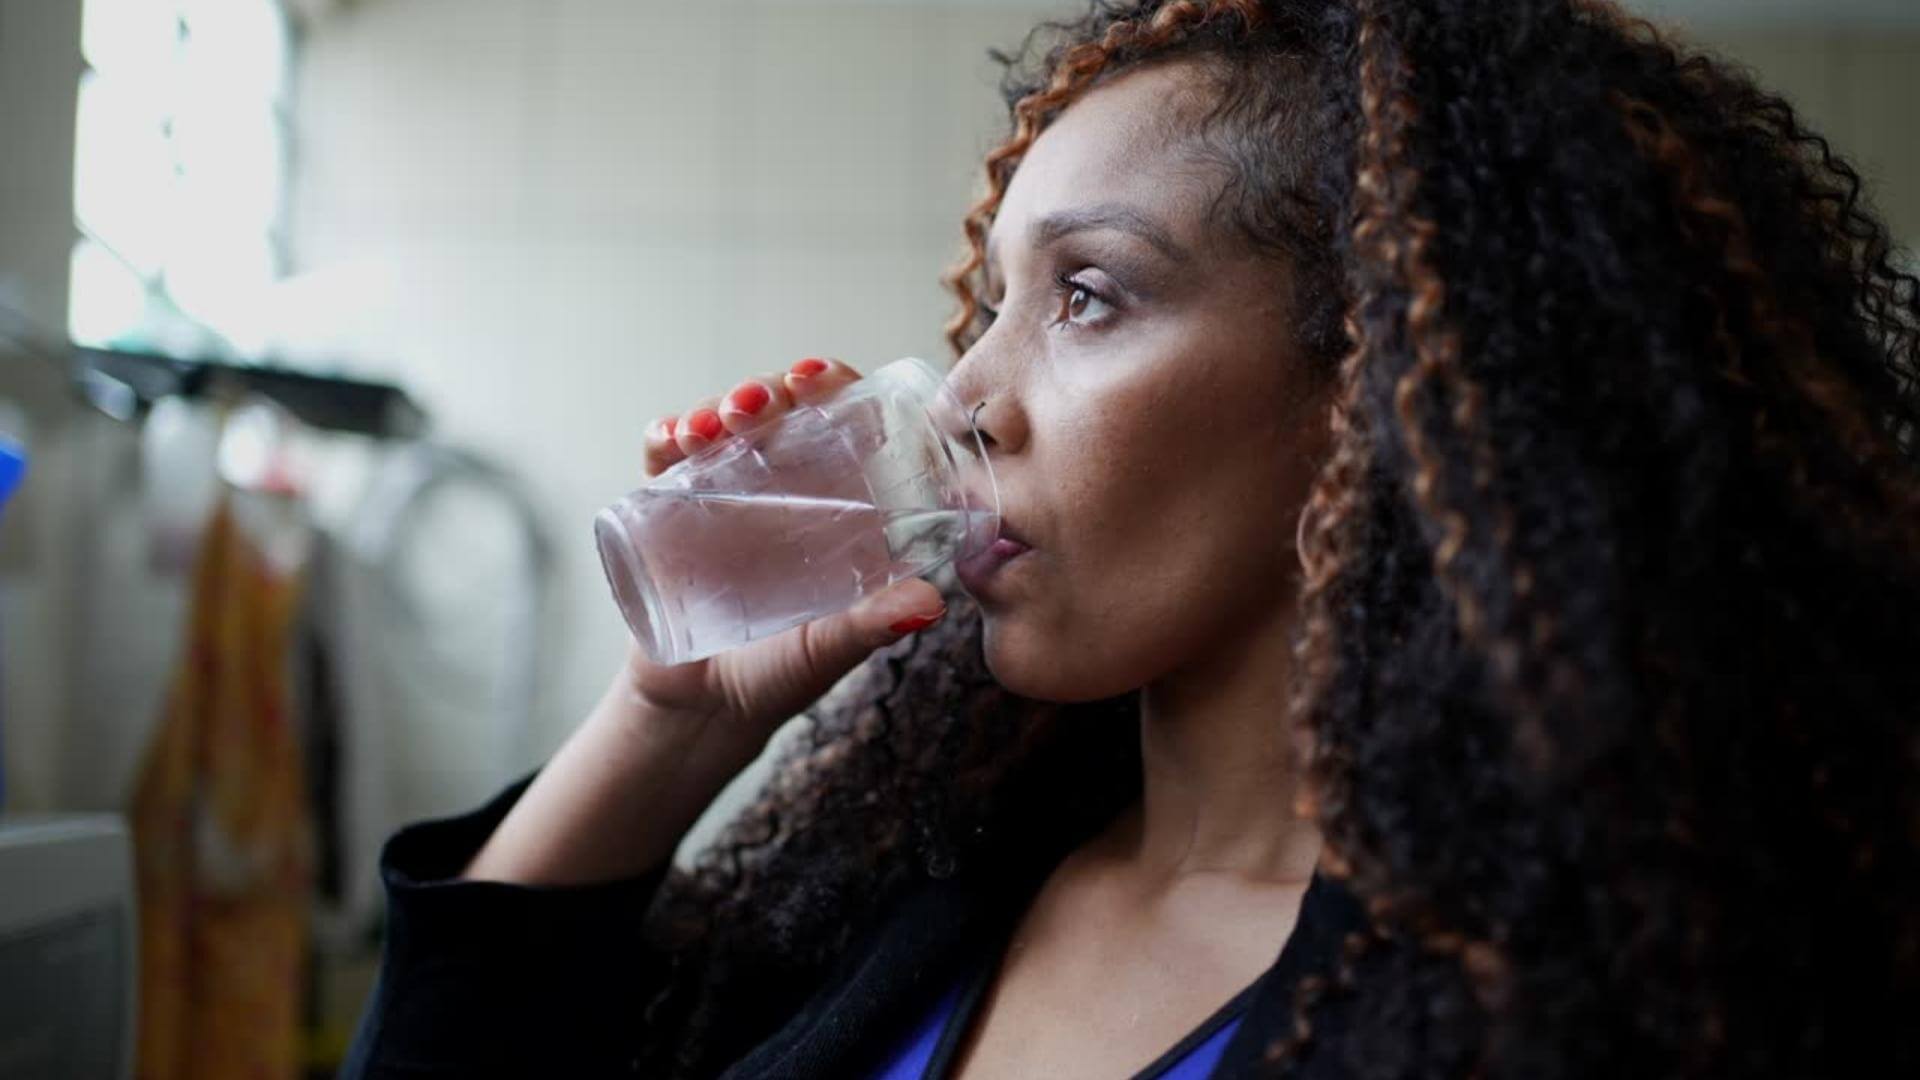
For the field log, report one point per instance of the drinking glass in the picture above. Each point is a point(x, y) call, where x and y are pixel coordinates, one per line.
point(885, 479)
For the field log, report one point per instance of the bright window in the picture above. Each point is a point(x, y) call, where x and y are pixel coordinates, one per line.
point(179, 173)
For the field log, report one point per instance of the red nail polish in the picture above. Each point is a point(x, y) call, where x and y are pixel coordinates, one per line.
point(918, 622)
point(668, 425)
point(706, 424)
point(749, 398)
point(810, 367)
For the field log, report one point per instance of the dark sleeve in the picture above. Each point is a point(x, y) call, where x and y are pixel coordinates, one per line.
point(488, 979)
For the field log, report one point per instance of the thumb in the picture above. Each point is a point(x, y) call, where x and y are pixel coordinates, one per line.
point(901, 608)
point(833, 645)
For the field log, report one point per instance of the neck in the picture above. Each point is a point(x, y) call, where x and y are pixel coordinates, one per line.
point(1220, 771)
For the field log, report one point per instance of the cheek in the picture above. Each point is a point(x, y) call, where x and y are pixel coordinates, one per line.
point(1167, 458)
point(1168, 513)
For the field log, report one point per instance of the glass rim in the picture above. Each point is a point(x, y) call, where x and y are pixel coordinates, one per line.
point(932, 379)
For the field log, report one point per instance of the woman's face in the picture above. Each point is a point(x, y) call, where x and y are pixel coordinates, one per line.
point(1150, 417)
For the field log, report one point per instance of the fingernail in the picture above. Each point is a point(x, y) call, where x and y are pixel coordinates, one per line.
point(917, 623)
point(667, 425)
point(749, 398)
point(810, 367)
point(705, 423)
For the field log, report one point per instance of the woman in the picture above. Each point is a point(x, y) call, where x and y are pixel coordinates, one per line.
point(1462, 452)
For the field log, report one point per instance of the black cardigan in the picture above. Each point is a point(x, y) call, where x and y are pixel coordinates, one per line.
point(483, 979)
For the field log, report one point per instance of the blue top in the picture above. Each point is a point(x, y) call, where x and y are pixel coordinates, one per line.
point(928, 1051)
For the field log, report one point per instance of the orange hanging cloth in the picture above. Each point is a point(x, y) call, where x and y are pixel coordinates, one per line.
point(222, 838)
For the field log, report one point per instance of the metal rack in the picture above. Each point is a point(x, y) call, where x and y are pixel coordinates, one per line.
point(125, 383)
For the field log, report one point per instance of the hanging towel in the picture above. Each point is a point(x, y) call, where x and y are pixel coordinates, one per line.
point(222, 841)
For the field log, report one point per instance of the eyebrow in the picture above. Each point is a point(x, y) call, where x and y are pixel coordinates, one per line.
point(1117, 217)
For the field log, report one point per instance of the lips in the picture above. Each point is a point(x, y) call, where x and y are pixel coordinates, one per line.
point(978, 569)
point(1005, 548)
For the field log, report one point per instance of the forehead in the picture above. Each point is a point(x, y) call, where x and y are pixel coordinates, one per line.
point(1126, 141)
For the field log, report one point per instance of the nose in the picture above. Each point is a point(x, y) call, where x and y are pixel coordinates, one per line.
point(970, 412)
point(977, 465)
point(959, 416)
point(990, 404)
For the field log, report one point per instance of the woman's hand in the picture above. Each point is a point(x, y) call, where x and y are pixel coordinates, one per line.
point(743, 695)
point(620, 794)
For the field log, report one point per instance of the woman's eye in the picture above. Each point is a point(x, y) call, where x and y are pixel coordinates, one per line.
point(1080, 304)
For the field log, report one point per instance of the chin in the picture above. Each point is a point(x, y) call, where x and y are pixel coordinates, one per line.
point(1035, 665)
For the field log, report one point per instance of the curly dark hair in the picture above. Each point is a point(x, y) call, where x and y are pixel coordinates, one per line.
point(1612, 593)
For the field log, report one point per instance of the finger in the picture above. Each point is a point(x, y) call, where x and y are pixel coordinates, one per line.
point(905, 607)
point(816, 377)
point(827, 648)
point(699, 427)
point(661, 448)
point(754, 402)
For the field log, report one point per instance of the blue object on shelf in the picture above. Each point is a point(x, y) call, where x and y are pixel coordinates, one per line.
point(13, 466)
